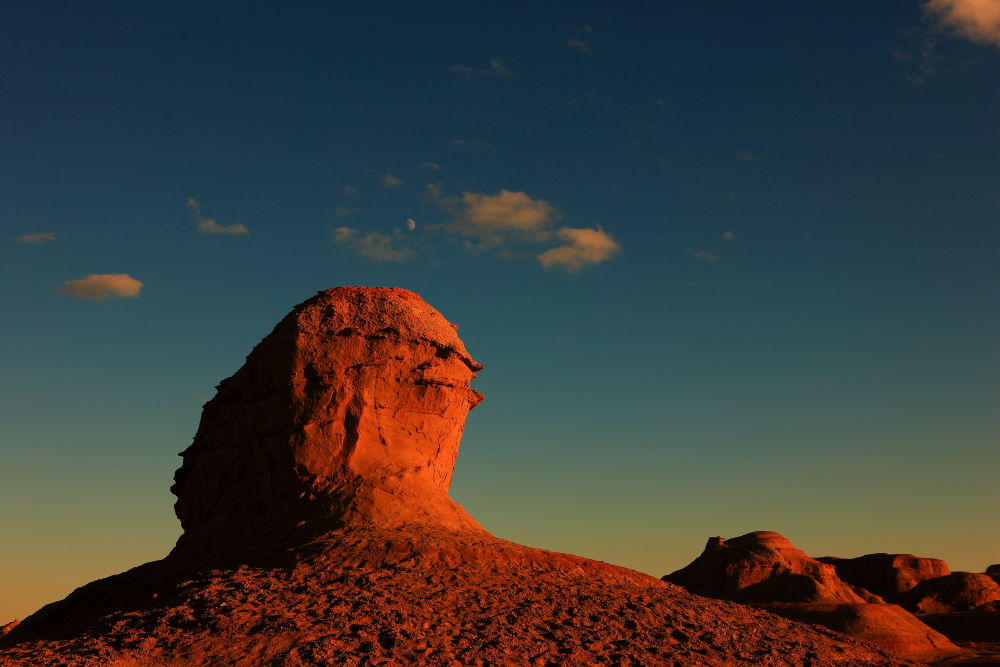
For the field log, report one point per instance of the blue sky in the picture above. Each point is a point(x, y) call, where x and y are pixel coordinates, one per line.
point(729, 267)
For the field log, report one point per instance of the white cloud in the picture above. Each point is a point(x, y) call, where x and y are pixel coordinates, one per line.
point(584, 247)
point(373, 245)
point(976, 20)
point(210, 226)
point(37, 237)
point(579, 45)
point(390, 181)
point(102, 286)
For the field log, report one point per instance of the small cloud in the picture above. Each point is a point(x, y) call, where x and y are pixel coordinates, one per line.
point(471, 143)
point(348, 191)
point(584, 247)
point(37, 237)
point(703, 255)
point(661, 103)
point(432, 193)
point(102, 286)
point(728, 236)
point(431, 165)
point(390, 181)
point(210, 226)
point(498, 68)
point(746, 156)
point(495, 68)
point(373, 245)
point(488, 217)
point(976, 20)
point(411, 224)
point(579, 45)
point(344, 211)
point(583, 28)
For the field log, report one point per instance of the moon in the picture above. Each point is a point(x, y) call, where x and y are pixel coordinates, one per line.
point(410, 224)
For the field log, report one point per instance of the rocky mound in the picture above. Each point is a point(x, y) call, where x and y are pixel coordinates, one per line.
point(958, 591)
point(764, 569)
point(994, 572)
point(887, 574)
point(318, 530)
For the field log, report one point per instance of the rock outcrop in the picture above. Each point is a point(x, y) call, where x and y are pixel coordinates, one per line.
point(994, 572)
point(318, 530)
point(764, 569)
point(349, 413)
point(887, 574)
point(958, 591)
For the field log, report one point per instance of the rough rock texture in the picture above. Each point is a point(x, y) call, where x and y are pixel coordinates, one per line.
point(349, 413)
point(318, 531)
point(762, 567)
point(765, 569)
point(958, 591)
point(887, 625)
point(887, 574)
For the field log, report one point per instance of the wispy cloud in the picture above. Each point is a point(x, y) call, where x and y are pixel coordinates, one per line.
point(37, 237)
point(344, 211)
point(703, 255)
point(747, 156)
point(579, 45)
point(348, 191)
point(373, 245)
point(102, 286)
point(975, 20)
point(210, 226)
point(584, 247)
point(728, 236)
point(495, 68)
point(431, 165)
point(390, 181)
point(471, 143)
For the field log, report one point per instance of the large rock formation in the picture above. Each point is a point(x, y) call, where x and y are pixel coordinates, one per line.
point(318, 530)
point(764, 569)
point(349, 413)
point(887, 574)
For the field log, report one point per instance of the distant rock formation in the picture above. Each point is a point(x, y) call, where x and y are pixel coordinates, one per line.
point(318, 530)
point(958, 591)
point(994, 572)
point(764, 569)
point(887, 574)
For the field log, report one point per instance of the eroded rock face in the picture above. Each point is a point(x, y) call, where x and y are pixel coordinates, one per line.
point(887, 574)
point(762, 566)
point(349, 413)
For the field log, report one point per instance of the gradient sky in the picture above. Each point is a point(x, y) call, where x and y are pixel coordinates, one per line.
point(730, 266)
